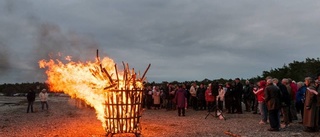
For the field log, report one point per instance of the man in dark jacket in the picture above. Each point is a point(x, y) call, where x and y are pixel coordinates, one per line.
point(248, 96)
point(285, 101)
point(201, 97)
point(31, 96)
point(272, 99)
point(238, 91)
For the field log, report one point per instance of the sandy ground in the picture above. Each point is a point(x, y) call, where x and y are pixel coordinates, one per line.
point(64, 119)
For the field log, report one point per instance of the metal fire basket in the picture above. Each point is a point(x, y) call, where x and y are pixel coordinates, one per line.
point(123, 111)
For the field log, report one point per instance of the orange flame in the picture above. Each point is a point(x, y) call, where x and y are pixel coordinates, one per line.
point(90, 81)
point(68, 58)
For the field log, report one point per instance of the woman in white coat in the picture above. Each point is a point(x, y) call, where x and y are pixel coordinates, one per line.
point(44, 98)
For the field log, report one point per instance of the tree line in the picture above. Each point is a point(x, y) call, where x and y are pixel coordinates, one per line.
point(296, 70)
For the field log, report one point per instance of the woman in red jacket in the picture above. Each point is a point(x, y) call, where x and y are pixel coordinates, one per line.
point(209, 98)
point(261, 104)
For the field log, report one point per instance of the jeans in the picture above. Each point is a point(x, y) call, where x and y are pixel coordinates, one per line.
point(263, 111)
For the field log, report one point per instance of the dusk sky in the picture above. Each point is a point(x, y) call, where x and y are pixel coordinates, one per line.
point(182, 39)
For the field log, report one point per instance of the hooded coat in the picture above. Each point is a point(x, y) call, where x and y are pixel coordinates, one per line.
point(180, 98)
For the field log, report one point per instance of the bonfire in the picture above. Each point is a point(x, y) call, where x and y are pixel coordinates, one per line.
point(115, 95)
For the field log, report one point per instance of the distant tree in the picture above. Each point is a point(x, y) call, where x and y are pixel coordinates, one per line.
point(296, 70)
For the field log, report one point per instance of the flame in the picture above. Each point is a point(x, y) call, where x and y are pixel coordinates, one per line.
point(91, 82)
point(68, 58)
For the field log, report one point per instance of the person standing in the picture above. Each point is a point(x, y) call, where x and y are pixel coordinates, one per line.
point(149, 97)
point(248, 96)
point(300, 96)
point(220, 97)
point(286, 109)
point(170, 96)
point(180, 99)
point(272, 99)
point(261, 101)
point(238, 91)
point(210, 99)
point(31, 96)
point(229, 98)
point(255, 102)
point(156, 97)
point(285, 102)
point(311, 112)
point(44, 98)
point(194, 100)
point(201, 97)
point(294, 89)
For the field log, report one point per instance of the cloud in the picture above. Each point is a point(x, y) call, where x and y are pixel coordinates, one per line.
point(183, 40)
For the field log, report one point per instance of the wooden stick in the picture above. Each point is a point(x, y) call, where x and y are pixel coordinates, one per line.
point(134, 80)
point(108, 75)
point(124, 75)
point(145, 72)
point(128, 69)
point(121, 112)
point(98, 59)
point(115, 67)
point(231, 134)
point(128, 79)
point(127, 108)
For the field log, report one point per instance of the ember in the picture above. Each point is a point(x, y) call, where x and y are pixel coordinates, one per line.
point(116, 96)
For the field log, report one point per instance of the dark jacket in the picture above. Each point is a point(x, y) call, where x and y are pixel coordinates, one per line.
point(285, 97)
point(31, 96)
point(272, 97)
point(248, 92)
point(238, 90)
point(201, 93)
point(229, 93)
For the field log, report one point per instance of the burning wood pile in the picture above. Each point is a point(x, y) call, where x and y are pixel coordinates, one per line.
point(116, 96)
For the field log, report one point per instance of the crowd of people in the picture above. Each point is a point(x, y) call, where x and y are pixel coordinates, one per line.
point(278, 102)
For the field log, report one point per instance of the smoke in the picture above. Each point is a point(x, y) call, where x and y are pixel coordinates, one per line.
point(25, 39)
point(54, 43)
